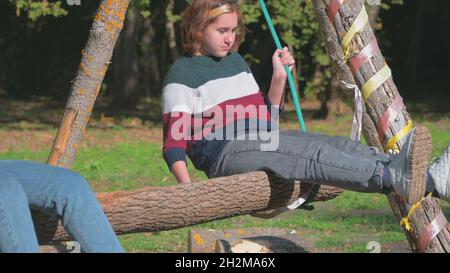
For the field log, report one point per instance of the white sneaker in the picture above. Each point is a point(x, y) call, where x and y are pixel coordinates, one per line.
point(440, 173)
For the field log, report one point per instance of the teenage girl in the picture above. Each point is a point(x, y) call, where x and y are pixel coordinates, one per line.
point(214, 111)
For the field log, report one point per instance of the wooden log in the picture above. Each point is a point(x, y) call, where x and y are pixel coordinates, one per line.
point(165, 208)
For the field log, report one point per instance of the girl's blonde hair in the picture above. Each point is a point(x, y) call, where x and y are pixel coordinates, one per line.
point(200, 14)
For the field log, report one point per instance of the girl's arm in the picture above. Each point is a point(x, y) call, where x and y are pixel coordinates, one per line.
point(279, 59)
point(180, 172)
point(175, 96)
point(174, 149)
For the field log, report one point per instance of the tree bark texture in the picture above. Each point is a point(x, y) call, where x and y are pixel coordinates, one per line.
point(96, 56)
point(150, 61)
point(376, 105)
point(170, 30)
point(165, 208)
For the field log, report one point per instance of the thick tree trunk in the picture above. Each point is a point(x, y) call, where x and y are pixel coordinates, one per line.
point(377, 104)
point(149, 62)
point(331, 100)
point(411, 70)
point(373, 11)
point(295, 71)
point(164, 208)
point(170, 31)
point(125, 64)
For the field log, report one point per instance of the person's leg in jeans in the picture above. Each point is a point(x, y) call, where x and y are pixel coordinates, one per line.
point(438, 174)
point(342, 143)
point(70, 196)
point(16, 226)
point(309, 157)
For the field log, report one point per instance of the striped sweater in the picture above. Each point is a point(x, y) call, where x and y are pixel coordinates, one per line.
point(206, 102)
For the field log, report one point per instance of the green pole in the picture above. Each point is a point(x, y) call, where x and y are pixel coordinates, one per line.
point(286, 67)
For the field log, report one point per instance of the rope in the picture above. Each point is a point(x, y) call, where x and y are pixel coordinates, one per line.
point(366, 53)
point(389, 117)
point(286, 67)
point(431, 231)
point(333, 9)
point(392, 143)
point(294, 92)
point(357, 114)
point(357, 26)
point(405, 220)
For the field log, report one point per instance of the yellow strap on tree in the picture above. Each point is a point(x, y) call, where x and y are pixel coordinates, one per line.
point(376, 81)
point(405, 220)
point(357, 26)
point(392, 143)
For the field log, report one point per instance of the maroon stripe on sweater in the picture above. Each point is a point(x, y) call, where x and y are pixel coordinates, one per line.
point(253, 106)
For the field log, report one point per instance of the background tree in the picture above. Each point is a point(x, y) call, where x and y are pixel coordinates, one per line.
point(44, 47)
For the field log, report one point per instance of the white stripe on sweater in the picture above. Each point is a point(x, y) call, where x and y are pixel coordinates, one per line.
point(181, 98)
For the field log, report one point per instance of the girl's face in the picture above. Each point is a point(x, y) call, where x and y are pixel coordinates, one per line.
point(220, 35)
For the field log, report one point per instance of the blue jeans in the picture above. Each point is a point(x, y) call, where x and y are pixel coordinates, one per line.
point(58, 191)
point(308, 157)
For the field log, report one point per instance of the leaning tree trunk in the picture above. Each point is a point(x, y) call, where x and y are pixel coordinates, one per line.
point(154, 209)
point(337, 18)
point(96, 57)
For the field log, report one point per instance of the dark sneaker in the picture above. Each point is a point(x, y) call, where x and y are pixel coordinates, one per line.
point(408, 168)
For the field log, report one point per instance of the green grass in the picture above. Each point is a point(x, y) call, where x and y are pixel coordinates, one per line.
point(441, 135)
point(345, 224)
point(126, 166)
